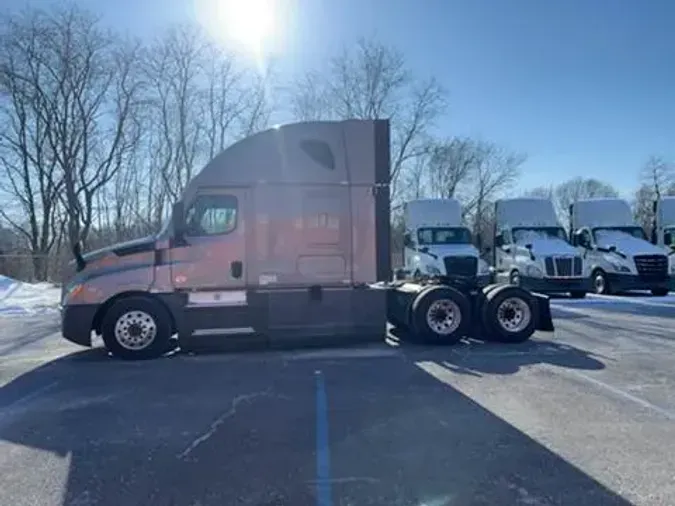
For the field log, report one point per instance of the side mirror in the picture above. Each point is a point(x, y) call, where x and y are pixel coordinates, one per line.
point(424, 249)
point(487, 249)
point(528, 246)
point(612, 248)
point(178, 221)
point(506, 248)
point(407, 241)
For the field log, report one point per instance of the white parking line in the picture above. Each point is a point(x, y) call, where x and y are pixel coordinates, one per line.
point(619, 393)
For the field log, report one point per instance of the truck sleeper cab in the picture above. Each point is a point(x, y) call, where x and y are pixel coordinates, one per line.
point(436, 243)
point(616, 248)
point(531, 249)
point(663, 232)
point(287, 233)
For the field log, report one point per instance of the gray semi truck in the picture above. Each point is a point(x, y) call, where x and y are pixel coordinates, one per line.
point(286, 232)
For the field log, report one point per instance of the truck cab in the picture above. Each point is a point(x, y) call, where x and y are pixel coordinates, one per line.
point(531, 249)
point(437, 243)
point(663, 231)
point(616, 248)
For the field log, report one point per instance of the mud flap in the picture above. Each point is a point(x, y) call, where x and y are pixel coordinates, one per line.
point(543, 312)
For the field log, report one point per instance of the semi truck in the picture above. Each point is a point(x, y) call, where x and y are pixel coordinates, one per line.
point(663, 231)
point(616, 248)
point(286, 232)
point(437, 243)
point(531, 249)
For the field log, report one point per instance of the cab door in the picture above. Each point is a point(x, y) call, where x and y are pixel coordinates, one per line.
point(211, 264)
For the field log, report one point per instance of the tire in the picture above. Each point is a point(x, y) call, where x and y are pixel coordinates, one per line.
point(441, 315)
point(128, 325)
point(509, 314)
point(577, 295)
point(600, 282)
point(514, 278)
point(660, 292)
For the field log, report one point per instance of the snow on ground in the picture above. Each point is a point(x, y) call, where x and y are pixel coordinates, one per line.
point(19, 298)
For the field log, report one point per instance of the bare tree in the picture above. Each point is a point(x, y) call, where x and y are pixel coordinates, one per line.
point(370, 82)
point(451, 163)
point(657, 178)
point(580, 188)
point(173, 69)
point(546, 192)
point(81, 81)
point(658, 174)
point(494, 171)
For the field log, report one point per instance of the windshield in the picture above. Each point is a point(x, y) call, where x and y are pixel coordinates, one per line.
point(609, 233)
point(521, 235)
point(444, 235)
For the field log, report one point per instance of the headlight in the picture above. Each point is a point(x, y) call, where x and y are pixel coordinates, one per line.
point(534, 271)
point(618, 267)
point(70, 291)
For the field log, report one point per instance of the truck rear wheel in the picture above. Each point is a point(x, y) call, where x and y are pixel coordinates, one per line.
point(508, 314)
point(136, 328)
point(441, 315)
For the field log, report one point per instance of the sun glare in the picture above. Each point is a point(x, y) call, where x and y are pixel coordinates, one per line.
point(249, 24)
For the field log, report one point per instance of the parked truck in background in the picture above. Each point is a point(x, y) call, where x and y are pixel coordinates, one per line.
point(437, 243)
point(286, 232)
point(616, 248)
point(531, 249)
point(663, 231)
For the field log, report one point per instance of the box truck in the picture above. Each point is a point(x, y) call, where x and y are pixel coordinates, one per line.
point(531, 249)
point(437, 243)
point(616, 248)
point(286, 232)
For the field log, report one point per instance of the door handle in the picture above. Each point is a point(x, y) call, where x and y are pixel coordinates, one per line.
point(236, 268)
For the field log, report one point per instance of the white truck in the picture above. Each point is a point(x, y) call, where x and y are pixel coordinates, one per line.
point(616, 248)
point(531, 249)
point(437, 243)
point(663, 231)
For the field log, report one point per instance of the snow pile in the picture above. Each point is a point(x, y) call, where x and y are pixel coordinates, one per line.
point(18, 298)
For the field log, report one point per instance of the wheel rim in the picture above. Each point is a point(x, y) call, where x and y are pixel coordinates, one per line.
point(599, 283)
point(135, 330)
point(444, 317)
point(514, 314)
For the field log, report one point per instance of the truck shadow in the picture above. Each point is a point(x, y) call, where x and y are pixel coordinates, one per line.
point(245, 429)
point(477, 357)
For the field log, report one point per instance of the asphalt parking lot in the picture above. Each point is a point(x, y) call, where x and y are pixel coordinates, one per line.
point(583, 417)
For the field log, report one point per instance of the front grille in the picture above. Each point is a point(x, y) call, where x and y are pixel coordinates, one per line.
point(652, 267)
point(461, 266)
point(563, 266)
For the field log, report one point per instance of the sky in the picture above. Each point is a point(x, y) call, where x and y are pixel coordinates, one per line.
point(583, 87)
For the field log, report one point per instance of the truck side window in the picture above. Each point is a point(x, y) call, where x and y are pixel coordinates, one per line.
point(212, 215)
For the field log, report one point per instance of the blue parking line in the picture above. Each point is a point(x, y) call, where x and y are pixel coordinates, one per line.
point(323, 488)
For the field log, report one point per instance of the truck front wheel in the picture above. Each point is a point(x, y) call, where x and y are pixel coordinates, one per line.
point(136, 328)
point(659, 292)
point(441, 315)
point(508, 314)
point(600, 283)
